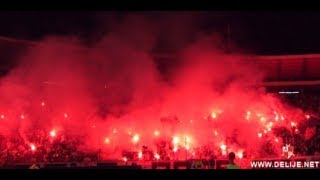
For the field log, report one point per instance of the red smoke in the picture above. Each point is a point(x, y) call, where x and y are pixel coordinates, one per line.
point(113, 96)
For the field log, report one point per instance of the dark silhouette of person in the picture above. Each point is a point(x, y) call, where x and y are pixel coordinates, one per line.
point(232, 164)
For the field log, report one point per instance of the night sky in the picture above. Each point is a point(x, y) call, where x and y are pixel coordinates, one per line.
point(258, 32)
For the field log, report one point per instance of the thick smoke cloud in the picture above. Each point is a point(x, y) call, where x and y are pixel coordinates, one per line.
point(114, 89)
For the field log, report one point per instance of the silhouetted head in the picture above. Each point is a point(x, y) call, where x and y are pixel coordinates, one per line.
point(231, 156)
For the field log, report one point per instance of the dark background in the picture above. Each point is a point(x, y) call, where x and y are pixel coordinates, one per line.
point(264, 32)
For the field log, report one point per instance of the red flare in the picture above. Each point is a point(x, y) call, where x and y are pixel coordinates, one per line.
point(107, 140)
point(32, 147)
point(135, 138)
point(157, 156)
point(53, 133)
point(156, 133)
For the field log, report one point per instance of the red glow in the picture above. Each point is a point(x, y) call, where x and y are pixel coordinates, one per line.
point(248, 115)
point(187, 139)
point(276, 140)
point(293, 124)
point(124, 104)
point(215, 133)
point(53, 133)
point(156, 133)
point(175, 149)
point(239, 155)
point(107, 141)
point(265, 131)
point(157, 156)
point(124, 159)
point(213, 115)
point(135, 138)
point(175, 140)
point(33, 147)
point(223, 147)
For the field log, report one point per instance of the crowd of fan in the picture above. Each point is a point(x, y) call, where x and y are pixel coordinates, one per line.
point(45, 149)
point(66, 148)
point(308, 102)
